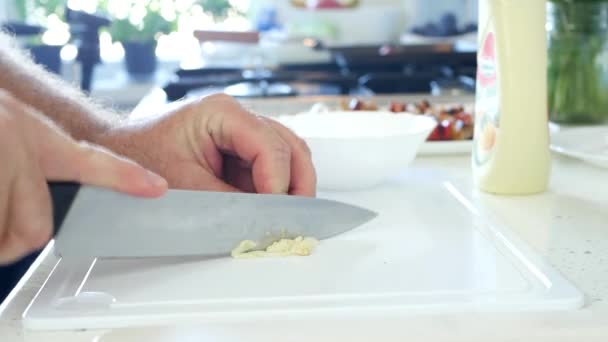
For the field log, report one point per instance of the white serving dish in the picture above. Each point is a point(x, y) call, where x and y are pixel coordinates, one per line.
point(358, 150)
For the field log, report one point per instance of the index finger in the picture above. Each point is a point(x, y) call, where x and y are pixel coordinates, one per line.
point(235, 129)
point(303, 175)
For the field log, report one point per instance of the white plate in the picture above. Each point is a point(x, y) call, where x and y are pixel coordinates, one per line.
point(411, 38)
point(589, 144)
point(436, 148)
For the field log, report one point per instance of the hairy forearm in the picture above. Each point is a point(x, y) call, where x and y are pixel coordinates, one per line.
point(61, 102)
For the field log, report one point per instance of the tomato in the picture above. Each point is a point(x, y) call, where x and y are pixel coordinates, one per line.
point(446, 130)
point(435, 136)
point(465, 117)
point(355, 104)
point(328, 4)
point(458, 132)
point(444, 116)
point(397, 107)
point(370, 105)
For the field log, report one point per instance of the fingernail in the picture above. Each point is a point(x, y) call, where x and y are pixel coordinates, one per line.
point(155, 180)
point(278, 187)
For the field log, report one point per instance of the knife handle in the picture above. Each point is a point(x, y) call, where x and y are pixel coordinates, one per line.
point(62, 197)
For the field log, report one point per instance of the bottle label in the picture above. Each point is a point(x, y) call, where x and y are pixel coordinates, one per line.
point(487, 104)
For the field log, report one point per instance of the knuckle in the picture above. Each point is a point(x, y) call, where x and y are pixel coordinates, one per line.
point(41, 238)
point(219, 97)
point(224, 104)
point(33, 235)
point(282, 150)
point(303, 145)
point(299, 143)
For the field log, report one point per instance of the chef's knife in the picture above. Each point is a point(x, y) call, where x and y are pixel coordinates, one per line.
point(103, 223)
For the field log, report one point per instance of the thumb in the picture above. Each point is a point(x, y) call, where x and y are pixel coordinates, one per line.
point(63, 159)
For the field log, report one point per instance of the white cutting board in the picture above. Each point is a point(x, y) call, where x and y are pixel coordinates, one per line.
point(430, 250)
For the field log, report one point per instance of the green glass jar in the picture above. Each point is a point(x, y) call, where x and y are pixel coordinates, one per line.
point(578, 61)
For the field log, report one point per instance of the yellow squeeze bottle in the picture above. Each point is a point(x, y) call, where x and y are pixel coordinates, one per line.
point(511, 148)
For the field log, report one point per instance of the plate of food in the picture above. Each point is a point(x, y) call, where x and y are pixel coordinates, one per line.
point(455, 122)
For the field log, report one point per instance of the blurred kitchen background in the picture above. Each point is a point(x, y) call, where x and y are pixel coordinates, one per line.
point(122, 51)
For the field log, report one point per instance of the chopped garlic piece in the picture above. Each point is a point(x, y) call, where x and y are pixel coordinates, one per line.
point(242, 248)
point(285, 247)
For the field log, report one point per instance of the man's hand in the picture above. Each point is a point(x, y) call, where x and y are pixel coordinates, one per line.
point(32, 151)
point(215, 144)
point(211, 144)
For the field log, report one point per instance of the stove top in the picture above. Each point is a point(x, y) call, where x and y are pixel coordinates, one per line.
point(412, 72)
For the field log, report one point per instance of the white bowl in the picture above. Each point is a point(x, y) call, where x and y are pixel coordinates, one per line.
point(358, 150)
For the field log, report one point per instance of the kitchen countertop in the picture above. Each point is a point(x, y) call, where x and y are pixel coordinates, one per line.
point(568, 226)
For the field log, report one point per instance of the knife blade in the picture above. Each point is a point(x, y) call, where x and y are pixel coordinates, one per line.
point(103, 223)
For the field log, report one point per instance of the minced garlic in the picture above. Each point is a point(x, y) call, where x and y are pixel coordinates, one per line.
point(285, 247)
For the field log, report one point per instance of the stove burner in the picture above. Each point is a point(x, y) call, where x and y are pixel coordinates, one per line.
point(407, 73)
